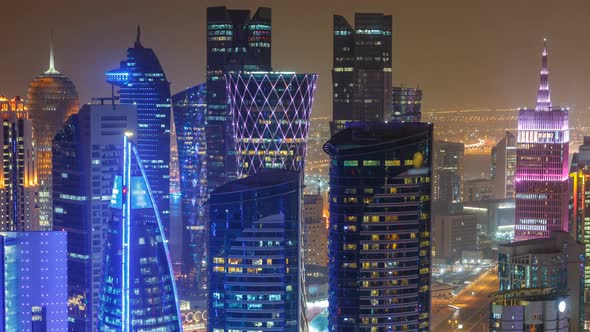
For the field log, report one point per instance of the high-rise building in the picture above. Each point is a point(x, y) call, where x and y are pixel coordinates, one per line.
point(478, 190)
point(86, 154)
point(406, 104)
point(18, 180)
point(448, 171)
point(190, 112)
point(33, 282)
point(379, 241)
point(138, 291)
point(255, 262)
point(271, 113)
point(51, 99)
point(541, 179)
point(504, 166)
point(236, 42)
point(361, 73)
point(452, 234)
point(315, 231)
point(142, 82)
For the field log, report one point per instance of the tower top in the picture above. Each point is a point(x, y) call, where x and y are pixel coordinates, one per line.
point(51, 69)
point(138, 37)
point(544, 96)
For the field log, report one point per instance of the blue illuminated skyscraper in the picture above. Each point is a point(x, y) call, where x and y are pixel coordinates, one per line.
point(138, 292)
point(190, 108)
point(255, 248)
point(143, 83)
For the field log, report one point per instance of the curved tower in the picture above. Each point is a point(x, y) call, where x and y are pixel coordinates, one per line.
point(51, 99)
point(271, 112)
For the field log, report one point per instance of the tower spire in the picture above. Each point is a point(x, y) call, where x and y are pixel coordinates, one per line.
point(544, 96)
point(51, 69)
point(137, 39)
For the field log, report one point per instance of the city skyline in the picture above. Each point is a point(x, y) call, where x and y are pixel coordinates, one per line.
point(490, 65)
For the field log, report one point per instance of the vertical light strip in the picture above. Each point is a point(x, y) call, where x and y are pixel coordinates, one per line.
point(125, 223)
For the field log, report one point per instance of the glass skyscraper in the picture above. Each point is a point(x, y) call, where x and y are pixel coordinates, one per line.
point(271, 113)
point(379, 240)
point(86, 154)
point(51, 99)
point(235, 42)
point(541, 181)
point(255, 262)
point(406, 104)
point(143, 83)
point(190, 112)
point(448, 169)
point(138, 291)
point(361, 76)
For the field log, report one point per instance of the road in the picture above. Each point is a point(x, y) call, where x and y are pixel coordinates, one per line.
point(473, 306)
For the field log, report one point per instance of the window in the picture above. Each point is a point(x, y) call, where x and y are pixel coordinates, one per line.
point(371, 162)
point(351, 163)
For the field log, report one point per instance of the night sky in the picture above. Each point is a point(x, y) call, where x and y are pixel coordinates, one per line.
point(463, 54)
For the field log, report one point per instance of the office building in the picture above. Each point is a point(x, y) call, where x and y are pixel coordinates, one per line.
point(138, 291)
point(448, 171)
point(379, 241)
point(555, 262)
point(495, 217)
point(255, 280)
point(406, 104)
point(236, 42)
point(315, 231)
point(271, 113)
point(86, 154)
point(504, 166)
point(542, 194)
point(142, 82)
point(361, 73)
point(51, 99)
point(478, 190)
point(452, 235)
point(18, 180)
point(33, 282)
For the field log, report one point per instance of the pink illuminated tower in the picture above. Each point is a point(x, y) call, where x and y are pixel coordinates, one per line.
point(542, 166)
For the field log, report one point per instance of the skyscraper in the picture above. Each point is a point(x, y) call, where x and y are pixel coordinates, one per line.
point(86, 154)
point(541, 178)
point(255, 262)
point(315, 235)
point(361, 74)
point(51, 99)
point(406, 104)
point(235, 42)
point(448, 171)
point(138, 292)
point(142, 82)
point(18, 179)
point(271, 113)
point(190, 112)
point(33, 282)
point(504, 166)
point(379, 241)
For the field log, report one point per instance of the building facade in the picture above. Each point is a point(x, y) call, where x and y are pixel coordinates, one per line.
point(452, 234)
point(448, 170)
point(361, 73)
point(542, 153)
point(236, 42)
point(406, 104)
point(271, 113)
point(478, 190)
point(142, 82)
point(255, 262)
point(33, 282)
point(51, 99)
point(379, 240)
point(86, 154)
point(138, 290)
point(315, 233)
point(504, 166)
point(19, 210)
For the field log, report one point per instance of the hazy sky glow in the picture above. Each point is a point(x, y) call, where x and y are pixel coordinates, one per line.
point(463, 53)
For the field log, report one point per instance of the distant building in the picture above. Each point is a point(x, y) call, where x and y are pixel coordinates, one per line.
point(448, 171)
point(504, 166)
point(315, 234)
point(361, 73)
point(255, 265)
point(19, 209)
point(406, 104)
point(379, 240)
point(51, 99)
point(33, 287)
point(85, 157)
point(478, 190)
point(452, 234)
point(494, 217)
point(542, 194)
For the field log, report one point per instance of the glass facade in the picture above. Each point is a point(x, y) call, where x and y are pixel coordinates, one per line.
point(406, 104)
point(271, 113)
point(448, 171)
point(379, 240)
point(190, 111)
point(138, 292)
point(235, 42)
point(255, 261)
